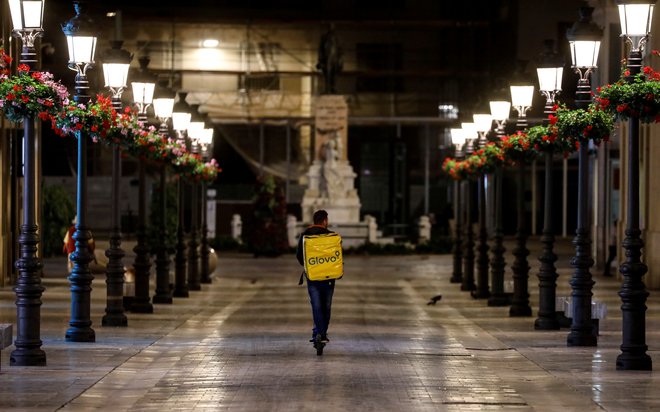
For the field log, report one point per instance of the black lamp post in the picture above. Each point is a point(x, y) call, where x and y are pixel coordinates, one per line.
point(27, 18)
point(195, 132)
point(635, 27)
point(470, 132)
point(115, 72)
point(163, 106)
point(521, 100)
point(499, 110)
point(584, 39)
point(80, 33)
point(206, 143)
point(482, 122)
point(549, 73)
point(458, 140)
point(143, 92)
point(180, 122)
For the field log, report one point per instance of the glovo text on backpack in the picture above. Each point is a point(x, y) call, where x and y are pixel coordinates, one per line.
point(323, 256)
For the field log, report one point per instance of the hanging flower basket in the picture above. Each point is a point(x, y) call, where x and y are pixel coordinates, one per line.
point(517, 148)
point(456, 169)
point(93, 119)
point(33, 94)
point(486, 159)
point(639, 98)
point(580, 124)
point(545, 139)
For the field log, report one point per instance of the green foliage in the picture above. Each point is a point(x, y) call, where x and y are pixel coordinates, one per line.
point(545, 139)
point(483, 161)
point(171, 217)
point(266, 229)
point(518, 148)
point(29, 94)
point(58, 211)
point(635, 97)
point(224, 243)
point(580, 124)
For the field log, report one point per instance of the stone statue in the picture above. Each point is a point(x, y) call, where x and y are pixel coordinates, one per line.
point(333, 182)
point(330, 60)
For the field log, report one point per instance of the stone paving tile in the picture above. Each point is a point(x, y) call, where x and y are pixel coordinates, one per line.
point(241, 344)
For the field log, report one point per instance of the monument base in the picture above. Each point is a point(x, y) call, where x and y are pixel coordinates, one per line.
point(332, 189)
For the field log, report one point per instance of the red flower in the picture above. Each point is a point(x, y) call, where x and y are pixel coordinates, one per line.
point(43, 115)
point(11, 96)
point(36, 75)
point(17, 88)
point(23, 68)
point(622, 108)
point(79, 126)
point(94, 128)
point(25, 98)
point(553, 119)
point(626, 73)
point(648, 70)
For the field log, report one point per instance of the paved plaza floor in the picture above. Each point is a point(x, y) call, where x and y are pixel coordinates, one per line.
point(241, 344)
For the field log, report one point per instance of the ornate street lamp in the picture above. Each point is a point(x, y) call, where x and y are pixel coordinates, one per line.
point(80, 32)
point(470, 132)
point(550, 73)
point(521, 100)
point(116, 63)
point(143, 92)
point(180, 122)
point(635, 27)
point(163, 106)
point(483, 123)
point(584, 40)
point(458, 140)
point(27, 17)
point(499, 110)
point(206, 143)
point(195, 133)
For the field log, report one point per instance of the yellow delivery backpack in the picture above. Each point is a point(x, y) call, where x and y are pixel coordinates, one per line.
point(323, 256)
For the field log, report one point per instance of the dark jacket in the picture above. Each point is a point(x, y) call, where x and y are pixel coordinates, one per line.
point(311, 230)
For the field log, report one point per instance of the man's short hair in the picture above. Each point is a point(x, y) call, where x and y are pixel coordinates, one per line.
point(320, 216)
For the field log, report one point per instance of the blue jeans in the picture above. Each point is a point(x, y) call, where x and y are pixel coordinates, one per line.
point(320, 296)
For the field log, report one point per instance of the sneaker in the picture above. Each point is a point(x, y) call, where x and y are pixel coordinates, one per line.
point(324, 339)
point(313, 339)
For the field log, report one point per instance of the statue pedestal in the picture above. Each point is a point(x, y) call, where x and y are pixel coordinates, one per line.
point(332, 188)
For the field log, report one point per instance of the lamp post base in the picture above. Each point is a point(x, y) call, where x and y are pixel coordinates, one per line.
point(634, 362)
point(162, 299)
point(28, 357)
point(181, 293)
point(582, 340)
point(142, 307)
point(84, 334)
point(499, 300)
point(114, 320)
point(546, 324)
point(520, 311)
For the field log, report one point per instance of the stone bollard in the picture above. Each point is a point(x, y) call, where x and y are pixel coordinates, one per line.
point(373, 228)
point(292, 236)
point(5, 335)
point(236, 227)
point(424, 226)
